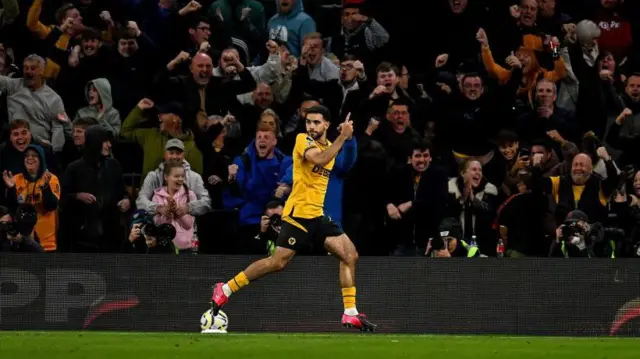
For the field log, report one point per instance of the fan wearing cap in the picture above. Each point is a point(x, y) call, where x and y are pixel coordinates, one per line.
point(40, 188)
point(571, 235)
point(153, 140)
point(445, 243)
point(174, 151)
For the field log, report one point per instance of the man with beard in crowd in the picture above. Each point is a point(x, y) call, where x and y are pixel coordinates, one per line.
point(581, 189)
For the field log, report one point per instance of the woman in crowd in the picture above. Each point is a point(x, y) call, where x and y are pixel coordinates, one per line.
point(473, 200)
point(175, 197)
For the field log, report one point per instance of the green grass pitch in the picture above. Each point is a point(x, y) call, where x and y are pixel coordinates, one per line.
point(114, 345)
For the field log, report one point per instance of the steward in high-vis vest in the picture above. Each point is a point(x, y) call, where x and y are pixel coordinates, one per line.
point(581, 189)
point(41, 189)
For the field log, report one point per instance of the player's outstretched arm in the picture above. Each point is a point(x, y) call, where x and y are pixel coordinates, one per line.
point(321, 158)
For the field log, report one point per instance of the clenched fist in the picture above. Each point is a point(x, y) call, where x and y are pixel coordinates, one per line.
point(626, 113)
point(441, 60)
point(233, 172)
point(145, 104)
point(482, 38)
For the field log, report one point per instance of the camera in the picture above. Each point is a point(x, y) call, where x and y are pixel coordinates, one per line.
point(275, 222)
point(24, 220)
point(163, 233)
point(573, 232)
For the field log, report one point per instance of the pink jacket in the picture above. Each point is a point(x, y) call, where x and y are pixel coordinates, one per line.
point(184, 225)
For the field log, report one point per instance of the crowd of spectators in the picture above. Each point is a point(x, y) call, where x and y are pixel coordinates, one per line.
point(482, 128)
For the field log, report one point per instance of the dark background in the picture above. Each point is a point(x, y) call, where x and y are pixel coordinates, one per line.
point(402, 295)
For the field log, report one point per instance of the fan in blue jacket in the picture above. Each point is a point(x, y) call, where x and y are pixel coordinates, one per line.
point(255, 183)
point(345, 160)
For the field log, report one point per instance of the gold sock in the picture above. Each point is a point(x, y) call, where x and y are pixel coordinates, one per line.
point(238, 282)
point(349, 297)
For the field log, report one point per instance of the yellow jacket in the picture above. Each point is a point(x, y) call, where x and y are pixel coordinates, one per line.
point(32, 193)
point(52, 69)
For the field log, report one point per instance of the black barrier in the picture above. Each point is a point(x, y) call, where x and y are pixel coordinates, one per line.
point(403, 295)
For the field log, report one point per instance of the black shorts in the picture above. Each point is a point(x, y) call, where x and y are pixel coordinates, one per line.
point(311, 238)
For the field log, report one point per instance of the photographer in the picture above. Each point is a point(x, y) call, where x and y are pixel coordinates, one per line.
point(576, 237)
point(449, 243)
point(147, 238)
point(269, 228)
point(15, 232)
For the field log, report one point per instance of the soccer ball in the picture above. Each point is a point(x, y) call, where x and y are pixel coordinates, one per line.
point(214, 324)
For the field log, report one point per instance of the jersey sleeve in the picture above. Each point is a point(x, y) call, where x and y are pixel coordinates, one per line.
point(303, 144)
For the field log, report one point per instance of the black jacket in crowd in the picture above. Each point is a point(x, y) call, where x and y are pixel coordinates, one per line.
point(93, 226)
point(428, 193)
point(26, 245)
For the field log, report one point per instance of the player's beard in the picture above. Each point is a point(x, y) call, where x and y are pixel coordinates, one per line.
point(315, 135)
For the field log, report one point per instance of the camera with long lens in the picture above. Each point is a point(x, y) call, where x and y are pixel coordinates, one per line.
point(573, 232)
point(24, 221)
point(163, 233)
